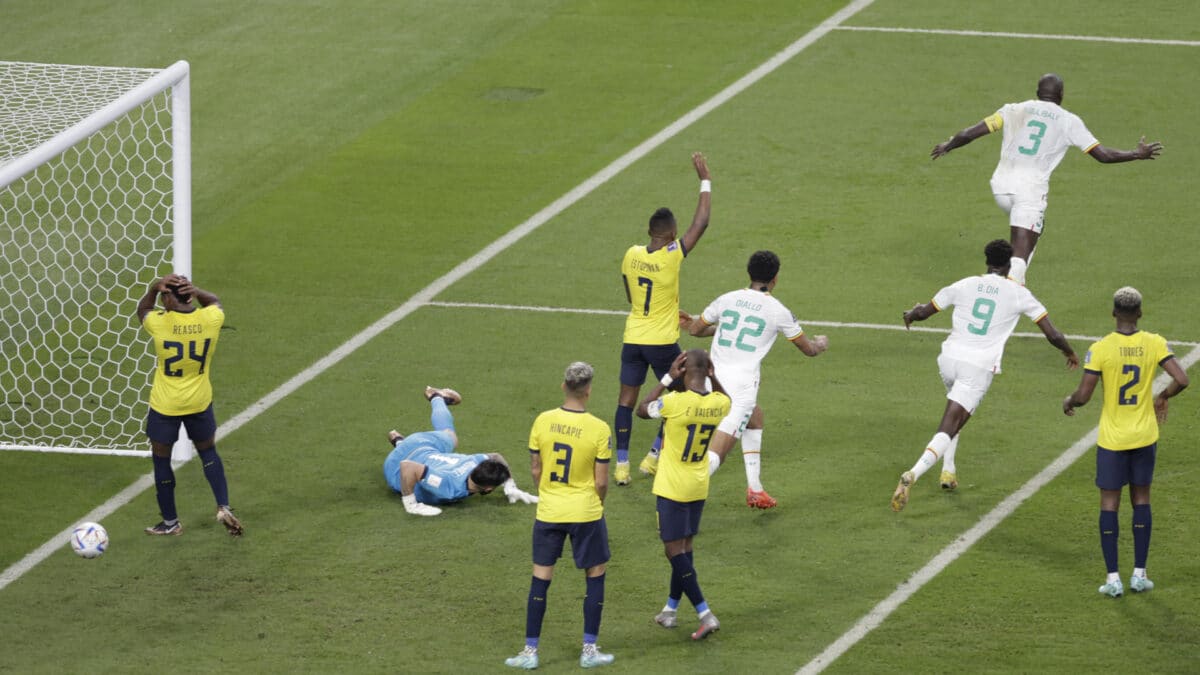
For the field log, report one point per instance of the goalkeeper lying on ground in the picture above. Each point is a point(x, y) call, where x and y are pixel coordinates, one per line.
point(425, 470)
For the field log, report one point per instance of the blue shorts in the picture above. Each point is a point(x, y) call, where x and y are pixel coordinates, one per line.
point(636, 359)
point(589, 542)
point(200, 426)
point(1116, 468)
point(678, 520)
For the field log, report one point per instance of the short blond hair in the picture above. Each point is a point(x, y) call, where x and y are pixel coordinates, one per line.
point(578, 376)
point(1127, 300)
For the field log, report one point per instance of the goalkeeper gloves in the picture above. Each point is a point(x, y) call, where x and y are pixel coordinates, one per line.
point(516, 494)
point(417, 508)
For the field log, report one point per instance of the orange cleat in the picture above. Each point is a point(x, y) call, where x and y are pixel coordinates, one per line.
point(759, 500)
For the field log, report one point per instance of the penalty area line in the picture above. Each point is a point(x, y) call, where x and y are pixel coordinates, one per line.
point(422, 297)
point(873, 619)
point(1023, 36)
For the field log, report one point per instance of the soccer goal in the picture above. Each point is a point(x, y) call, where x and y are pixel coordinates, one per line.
point(95, 198)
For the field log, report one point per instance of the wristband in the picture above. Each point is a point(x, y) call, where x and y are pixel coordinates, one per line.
point(667, 380)
point(706, 186)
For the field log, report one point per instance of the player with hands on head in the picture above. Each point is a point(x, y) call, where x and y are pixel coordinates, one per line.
point(427, 473)
point(650, 274)
point(986, 310)
point(185, 339)
point(681, 482)
point(1127, 444)
point(1036, 134)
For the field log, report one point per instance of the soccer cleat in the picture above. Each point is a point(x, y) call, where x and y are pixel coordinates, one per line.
point(708, 624)
point(394, 437)
point(759, 499)
point(621, 474)
point(1112, 589)
point(949, 481)
point(668, 618)
point(900, 496)
point(591, 657)
point(450, 396)
point(162, 528)
point(649, 465)
point(232, 525)
point(527, 659)
point(1140, 584)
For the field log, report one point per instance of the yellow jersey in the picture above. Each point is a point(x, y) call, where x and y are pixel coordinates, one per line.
point(184, 343)
point(689, 420)
point(570, 443)
point(652, 284)
point(1126, 366)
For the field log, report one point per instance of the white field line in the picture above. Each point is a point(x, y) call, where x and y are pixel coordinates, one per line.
point(464, 268)
point(1025, 36)
point(871, 620)
point(824, 324)
point(77, 451)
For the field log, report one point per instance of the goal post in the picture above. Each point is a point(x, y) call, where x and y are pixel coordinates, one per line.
point(95, 198)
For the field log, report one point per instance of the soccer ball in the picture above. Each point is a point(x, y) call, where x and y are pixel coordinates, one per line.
point(89, 540)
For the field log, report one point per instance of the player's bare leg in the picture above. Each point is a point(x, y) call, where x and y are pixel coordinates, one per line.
point(1024, 241)
point(953, 419)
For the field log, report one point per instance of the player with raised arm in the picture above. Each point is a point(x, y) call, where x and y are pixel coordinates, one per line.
point(986, 310)
point(1036, 134)
point(185, 340)
point(650, 273)
point(681, 482)
point(1125, 361)
point(426, 471)
point(569, 450)
point(743, 324)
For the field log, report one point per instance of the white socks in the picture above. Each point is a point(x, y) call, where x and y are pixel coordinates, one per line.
point(936, 448)
point(1016, 269)
point(948, 458)
point(752, 457)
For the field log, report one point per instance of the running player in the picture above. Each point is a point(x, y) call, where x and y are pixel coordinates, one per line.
point(1124, 361)
point(425, 470)
point(986, 310)
point(651, 276)
point(681, 482)
point(1037, 134)
point(185, 340)
point(569, 453)
point(744, 324)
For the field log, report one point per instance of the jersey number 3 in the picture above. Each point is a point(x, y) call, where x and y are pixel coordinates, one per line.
point(1036, 137)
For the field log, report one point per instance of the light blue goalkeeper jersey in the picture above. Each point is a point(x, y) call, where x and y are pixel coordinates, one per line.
point(446, 472)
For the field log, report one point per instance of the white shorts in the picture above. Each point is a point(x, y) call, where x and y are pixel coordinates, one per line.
point(965, 383)
point(1025, 210)
point(743, 396)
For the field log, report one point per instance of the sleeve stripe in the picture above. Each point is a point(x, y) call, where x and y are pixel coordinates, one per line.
point(935, 305)
point(1040, 317)
point(704, 320)
point(797, 336)
point(1092, 147)
point(1094, 372)
point(1166, 358)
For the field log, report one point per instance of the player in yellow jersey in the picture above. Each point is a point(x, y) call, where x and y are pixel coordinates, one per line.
point(569, 453)
point(1125, 361)
point(651, 276)
point(681, 482)
point(185, 339)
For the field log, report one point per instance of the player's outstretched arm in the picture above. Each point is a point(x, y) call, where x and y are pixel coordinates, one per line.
point(812, 347)
point(960, 139)
point(1082, 393)
point(919, 312)
point(1144, 150)
point(703, 208)
point(700, 328)
point(1059, 340)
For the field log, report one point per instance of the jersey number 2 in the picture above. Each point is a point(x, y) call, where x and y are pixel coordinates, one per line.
point(1122, 399)
point(202, 357)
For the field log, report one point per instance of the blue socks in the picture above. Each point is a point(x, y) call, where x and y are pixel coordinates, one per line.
point(681, 566)
point(624, 425)
point(593, 606)
point(1108, 539)
point(535, 610)
point(164, 487)
point(214, 471)
point(440, 417)
point(1141, 535)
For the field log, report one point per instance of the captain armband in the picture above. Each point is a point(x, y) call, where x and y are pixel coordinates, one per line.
point(994, 122)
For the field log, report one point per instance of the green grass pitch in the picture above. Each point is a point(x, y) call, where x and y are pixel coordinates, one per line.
point(346, 155)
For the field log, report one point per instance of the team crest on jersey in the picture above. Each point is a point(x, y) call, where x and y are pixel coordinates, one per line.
point(1087, 357)
point(672, 246)
point(433, 480)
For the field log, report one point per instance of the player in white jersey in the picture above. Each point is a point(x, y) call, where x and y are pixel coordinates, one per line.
point(1037, 134)
point(744, 324)
point(986, 310)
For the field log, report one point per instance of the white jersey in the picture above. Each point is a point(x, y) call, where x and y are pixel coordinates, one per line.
point(1036, 137)
point(986, 310)
point(747, 321)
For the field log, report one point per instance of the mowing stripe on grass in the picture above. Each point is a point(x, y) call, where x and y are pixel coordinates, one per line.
point(1025, 36)
point(805, 322)
point(464, 268)
point(871, 620)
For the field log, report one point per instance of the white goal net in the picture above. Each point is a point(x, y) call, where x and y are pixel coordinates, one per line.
point(95, 200)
